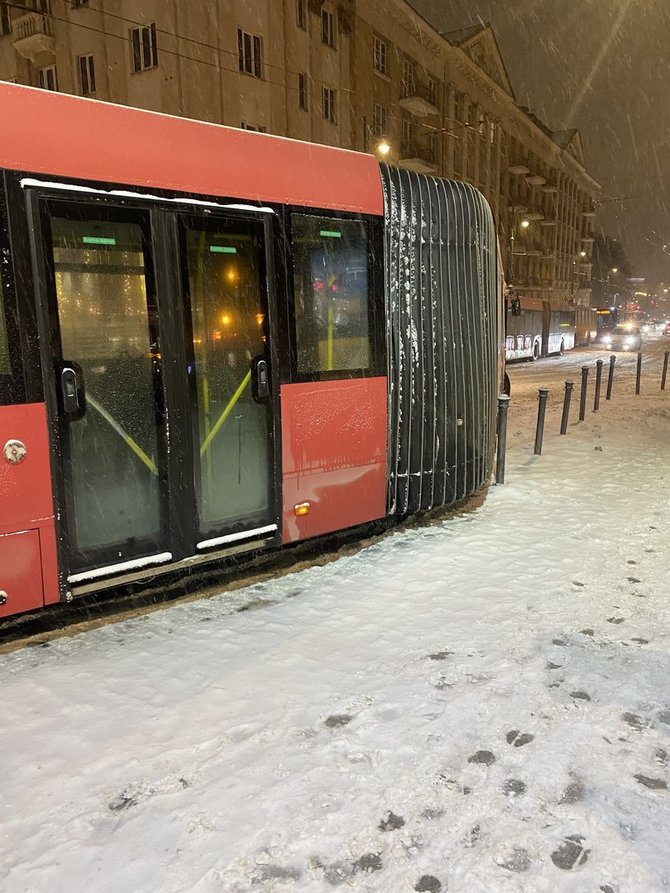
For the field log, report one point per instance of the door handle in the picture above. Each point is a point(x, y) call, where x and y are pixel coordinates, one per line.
point(260, 380)
point(71, 389)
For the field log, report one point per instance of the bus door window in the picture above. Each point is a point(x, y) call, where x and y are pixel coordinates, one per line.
point(109, 340)
point(226, 287)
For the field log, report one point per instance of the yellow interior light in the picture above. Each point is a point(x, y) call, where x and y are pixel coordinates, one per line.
point(226, 319)
point(302, 508)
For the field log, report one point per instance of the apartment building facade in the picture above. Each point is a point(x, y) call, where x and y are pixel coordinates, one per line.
point(351, 73)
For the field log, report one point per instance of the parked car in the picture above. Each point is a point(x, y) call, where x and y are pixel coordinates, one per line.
point(666, 330)
point(621, 338)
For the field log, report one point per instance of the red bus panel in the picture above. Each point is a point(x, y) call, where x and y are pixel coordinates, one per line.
point(98, 141)
point(28, 563)
point(333, 455)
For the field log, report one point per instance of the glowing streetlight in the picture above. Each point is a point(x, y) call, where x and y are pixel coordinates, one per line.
point(383, 148)
point(525, 224)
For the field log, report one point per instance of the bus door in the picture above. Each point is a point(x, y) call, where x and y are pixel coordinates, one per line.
point(232, 394)
point(155, 345)
point(101, 349)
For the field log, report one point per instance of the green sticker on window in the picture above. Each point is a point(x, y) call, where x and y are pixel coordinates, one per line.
point(222, 249)
point(98, 240)
point(330, 234)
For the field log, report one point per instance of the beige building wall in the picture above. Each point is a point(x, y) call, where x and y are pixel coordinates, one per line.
point(443, 104)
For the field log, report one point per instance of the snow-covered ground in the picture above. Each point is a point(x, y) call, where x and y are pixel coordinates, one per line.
point(478, 704)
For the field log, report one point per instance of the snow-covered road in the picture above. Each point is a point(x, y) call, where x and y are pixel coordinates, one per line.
point(479, 704)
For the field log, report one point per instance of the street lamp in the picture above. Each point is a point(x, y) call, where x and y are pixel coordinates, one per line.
point(383, 148)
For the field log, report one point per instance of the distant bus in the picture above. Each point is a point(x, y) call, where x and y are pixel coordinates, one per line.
point(535, 328)
point(606, 318)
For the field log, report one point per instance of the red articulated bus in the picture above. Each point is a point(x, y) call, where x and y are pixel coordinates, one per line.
point(214, 341)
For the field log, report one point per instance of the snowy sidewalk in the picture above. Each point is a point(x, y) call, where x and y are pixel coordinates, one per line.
point(482, 704)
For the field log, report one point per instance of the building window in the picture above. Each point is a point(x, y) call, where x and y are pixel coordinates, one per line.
point(332, 296)
point(432, 90)
point(328, 98)
point(250, 53)
point(41, 6)
point(328, 28)
point(301, 14)
point(144, 47)
point(77, 3)
point(303, 95)
point(379, 56)
point(379, 120)
point(408, 86)
point(432, 148)
point(47, 78)
point(408, 133)
point(5, 20)
point(86, 67)
point(255, 127)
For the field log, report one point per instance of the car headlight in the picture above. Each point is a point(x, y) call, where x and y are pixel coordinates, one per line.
point(629, 341)
point(607, 339)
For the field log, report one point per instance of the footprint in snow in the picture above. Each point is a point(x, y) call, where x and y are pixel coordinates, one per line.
point(514, 787)
point(634, 720)
point(485, 757)
point(392, 822)
point(654, 784)
point(518, 739)
point(440, 655)
point(428, 883)
point(337, 720)
point(571, 854)
point(516, 860)
point(586, 632)
point(633, 580)
point(580, 695)
point(573, 793)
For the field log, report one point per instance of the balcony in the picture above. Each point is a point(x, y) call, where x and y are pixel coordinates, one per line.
point(35, 38)
point(417, 99)
point(419, 156)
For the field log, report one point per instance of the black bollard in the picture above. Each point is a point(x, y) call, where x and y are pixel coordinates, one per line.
point(503, 404)
point(610, 377)
point(665, 369)
point(599, 374)
point(543, 393)
point(567, 397)
point(638, 374)
point(582, 396)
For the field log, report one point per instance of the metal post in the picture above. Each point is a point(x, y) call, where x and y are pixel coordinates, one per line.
point(569, 385)
point(599, 375)
point(503, 405)
point(665, 369)
point(638, 373)
point(582, 396)
point(610, 377)
point(543, 393)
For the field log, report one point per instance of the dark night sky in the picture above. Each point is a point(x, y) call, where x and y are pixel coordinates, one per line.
point(602, 66)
